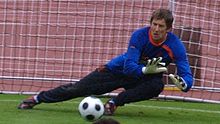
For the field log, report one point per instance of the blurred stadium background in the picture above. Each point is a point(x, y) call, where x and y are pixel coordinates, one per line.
point(48, 43)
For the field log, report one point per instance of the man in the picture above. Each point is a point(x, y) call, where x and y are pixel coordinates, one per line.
point(139, 70)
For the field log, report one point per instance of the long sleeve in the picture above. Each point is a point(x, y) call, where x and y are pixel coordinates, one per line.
point(131, 64)
point(183, 67)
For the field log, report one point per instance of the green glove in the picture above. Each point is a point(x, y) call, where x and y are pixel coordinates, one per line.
point(178, 81)
point(154, 66)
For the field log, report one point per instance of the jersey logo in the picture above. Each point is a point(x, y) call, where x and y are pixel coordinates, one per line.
point(160, 54)
point(133, 47)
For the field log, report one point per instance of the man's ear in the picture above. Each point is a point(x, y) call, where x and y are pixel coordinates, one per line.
point(169, 29)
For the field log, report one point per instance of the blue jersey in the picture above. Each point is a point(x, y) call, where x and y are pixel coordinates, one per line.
point(141, 48)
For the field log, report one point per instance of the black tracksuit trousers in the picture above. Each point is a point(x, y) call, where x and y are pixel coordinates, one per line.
point(103, 81)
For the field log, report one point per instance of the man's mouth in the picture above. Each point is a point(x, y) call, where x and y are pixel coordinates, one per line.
point(155, 34)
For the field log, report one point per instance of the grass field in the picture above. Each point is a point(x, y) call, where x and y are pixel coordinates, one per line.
point(146, 112)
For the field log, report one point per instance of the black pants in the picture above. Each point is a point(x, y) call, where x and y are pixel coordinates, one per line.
point(103, 81)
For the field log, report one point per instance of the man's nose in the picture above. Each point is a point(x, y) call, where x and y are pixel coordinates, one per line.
point(157, 28)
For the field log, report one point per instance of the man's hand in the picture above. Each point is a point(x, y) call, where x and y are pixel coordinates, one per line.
point(154, 66)
point(178, 81)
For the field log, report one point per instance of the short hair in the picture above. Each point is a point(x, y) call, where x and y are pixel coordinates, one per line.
point(106, 121)
point(163, 14)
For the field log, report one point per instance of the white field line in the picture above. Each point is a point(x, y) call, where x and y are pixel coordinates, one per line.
point(175, 108)
point(147, 106)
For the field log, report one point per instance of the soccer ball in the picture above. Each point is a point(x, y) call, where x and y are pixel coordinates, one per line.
point(91, 108)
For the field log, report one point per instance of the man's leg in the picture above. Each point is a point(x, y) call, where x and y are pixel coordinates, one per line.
point(96, 83)
point(136, 90)
point(144, 91)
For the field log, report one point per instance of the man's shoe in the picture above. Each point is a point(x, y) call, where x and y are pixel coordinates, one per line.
point(110, 108)
point(28, 103)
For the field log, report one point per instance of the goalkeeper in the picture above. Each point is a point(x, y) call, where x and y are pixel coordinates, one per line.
point(139, 70)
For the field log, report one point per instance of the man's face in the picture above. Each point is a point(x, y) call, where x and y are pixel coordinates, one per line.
point(158, 30)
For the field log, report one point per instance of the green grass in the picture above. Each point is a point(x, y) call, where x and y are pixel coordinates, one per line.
point(146, 112)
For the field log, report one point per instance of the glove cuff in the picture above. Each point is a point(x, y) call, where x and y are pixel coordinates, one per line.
point(184, 84)
point(144, 70)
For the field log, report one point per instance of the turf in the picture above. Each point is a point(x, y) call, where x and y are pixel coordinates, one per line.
point(146, 112)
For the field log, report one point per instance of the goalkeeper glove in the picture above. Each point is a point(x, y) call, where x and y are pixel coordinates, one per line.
point(178, 81)
point(154, 66)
